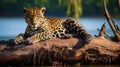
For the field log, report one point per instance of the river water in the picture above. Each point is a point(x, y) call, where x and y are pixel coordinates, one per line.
point(11, 27)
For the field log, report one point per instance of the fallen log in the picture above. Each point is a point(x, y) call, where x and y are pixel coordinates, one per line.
point(62, 52)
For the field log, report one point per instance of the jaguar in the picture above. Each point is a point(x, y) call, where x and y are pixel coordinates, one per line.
point(41, 28)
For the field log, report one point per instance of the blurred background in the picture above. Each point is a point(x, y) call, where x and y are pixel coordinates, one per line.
point(89, 12)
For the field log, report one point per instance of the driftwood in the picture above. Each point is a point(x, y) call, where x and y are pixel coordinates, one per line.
point(112, 24)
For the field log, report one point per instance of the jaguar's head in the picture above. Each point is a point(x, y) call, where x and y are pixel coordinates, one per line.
point(34, 16)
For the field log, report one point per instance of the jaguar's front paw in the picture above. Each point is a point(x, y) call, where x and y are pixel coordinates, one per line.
point(18, 40)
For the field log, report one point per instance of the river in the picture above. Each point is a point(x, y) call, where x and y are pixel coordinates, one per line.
point(11, 27)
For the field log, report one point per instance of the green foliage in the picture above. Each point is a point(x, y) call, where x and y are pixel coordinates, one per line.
point(74, 8)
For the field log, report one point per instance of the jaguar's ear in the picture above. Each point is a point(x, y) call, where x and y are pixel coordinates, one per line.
point(43, 9)
point(24, 9)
